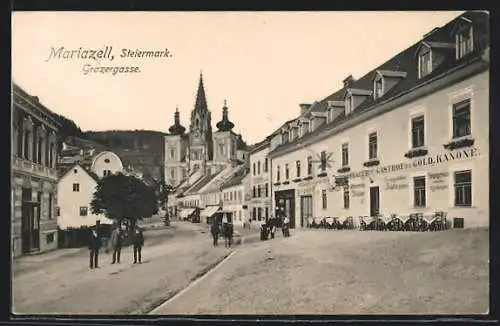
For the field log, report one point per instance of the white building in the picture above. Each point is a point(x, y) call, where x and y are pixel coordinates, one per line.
point(76, 188)
point(410, 136)
point(233, 195)
point(260, 207)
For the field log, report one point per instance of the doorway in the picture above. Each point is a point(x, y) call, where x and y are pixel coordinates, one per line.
point(30, 225)
point(305, 209)
point(374, 201)
point(286, 200)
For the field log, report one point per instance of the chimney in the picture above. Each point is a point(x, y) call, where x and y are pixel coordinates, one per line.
point(349, 81)
point(304, 107)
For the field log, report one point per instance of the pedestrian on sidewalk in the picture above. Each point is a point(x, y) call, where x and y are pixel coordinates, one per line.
point(116, 241)
point(94, 246)
point(138, 242)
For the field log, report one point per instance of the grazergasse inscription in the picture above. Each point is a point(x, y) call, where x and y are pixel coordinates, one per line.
point(100, 55)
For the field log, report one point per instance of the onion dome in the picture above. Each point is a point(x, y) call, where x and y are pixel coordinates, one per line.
point(176, 128)
point(225, 124)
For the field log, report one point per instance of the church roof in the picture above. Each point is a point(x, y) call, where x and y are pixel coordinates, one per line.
point(176, 128)
point(201, 99)
point(225, 124)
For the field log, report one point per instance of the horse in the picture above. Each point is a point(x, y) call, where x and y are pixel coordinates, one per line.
point(227, 233)
point(215, 233)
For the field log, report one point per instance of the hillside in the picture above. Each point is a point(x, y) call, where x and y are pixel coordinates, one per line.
point(143, 140)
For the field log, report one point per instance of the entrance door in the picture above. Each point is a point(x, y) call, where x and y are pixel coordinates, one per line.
point(305, 209)
point(30, 226)
point(290, 211)
point(374, 201)
point(35, 233)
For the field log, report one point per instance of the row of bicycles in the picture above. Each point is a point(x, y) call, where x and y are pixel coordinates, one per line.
point(416, 222)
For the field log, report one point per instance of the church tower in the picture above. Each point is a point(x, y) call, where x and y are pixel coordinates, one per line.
point(200, 131)
point(226, 141)
point(176, 145)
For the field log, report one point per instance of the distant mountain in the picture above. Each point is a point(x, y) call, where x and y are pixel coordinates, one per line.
point(142, 140)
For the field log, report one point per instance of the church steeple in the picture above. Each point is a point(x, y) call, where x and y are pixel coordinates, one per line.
point(177, 128)
point(225, 124)
point(201, 100)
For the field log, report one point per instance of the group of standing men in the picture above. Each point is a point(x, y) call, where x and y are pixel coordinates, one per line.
point(116, 242)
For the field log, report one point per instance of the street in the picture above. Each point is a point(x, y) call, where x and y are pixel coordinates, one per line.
point(312, 272)
point(61, 281)
point(347, 272)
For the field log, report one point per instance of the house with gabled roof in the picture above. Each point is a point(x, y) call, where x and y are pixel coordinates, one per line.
point(408, 137)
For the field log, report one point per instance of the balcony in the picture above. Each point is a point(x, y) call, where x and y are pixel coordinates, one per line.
point(26, 166)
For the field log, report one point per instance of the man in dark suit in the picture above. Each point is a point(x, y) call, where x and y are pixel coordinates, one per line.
point(137, 242)
point(116, 243)
point(94, 246)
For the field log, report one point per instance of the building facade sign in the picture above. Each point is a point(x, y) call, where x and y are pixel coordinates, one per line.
point(420, 162)
point(439, 181)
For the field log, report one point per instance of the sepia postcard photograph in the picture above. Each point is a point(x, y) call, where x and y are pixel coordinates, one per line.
point(250, 163)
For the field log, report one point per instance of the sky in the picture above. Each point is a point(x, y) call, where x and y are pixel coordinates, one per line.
point(263, 63)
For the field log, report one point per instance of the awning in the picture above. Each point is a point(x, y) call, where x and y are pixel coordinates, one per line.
point(209, 211)
point(186, 212)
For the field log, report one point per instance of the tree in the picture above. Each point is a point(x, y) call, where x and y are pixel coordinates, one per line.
point(165, 190)
point(124, 198)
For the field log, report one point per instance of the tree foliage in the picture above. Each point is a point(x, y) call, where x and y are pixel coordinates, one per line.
point(120, 197)
point(165, 190)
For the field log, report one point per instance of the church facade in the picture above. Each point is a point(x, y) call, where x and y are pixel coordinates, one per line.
point(200, 149)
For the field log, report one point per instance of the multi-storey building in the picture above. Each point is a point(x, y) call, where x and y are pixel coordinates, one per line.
point(260, 182)
point(410, 136)
point(34, 175)
point(233, 195)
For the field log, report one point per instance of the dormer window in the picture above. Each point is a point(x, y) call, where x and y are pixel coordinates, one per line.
point(464, 44)
point(349, 104)
point(424, 62)
point(378, 88)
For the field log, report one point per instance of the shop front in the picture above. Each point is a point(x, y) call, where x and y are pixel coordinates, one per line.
point(285, 201)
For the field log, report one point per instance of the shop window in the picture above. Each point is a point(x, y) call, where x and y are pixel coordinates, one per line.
point(419, 197)
point(461, 119)
point(254, 213)
point(417, 132)
point(463, 188)
point(346, 198)
point(324, 198)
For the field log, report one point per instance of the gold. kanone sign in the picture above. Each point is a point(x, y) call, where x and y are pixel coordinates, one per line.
point(419, 162)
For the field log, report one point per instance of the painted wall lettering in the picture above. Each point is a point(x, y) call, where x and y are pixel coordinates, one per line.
point(419, 162)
